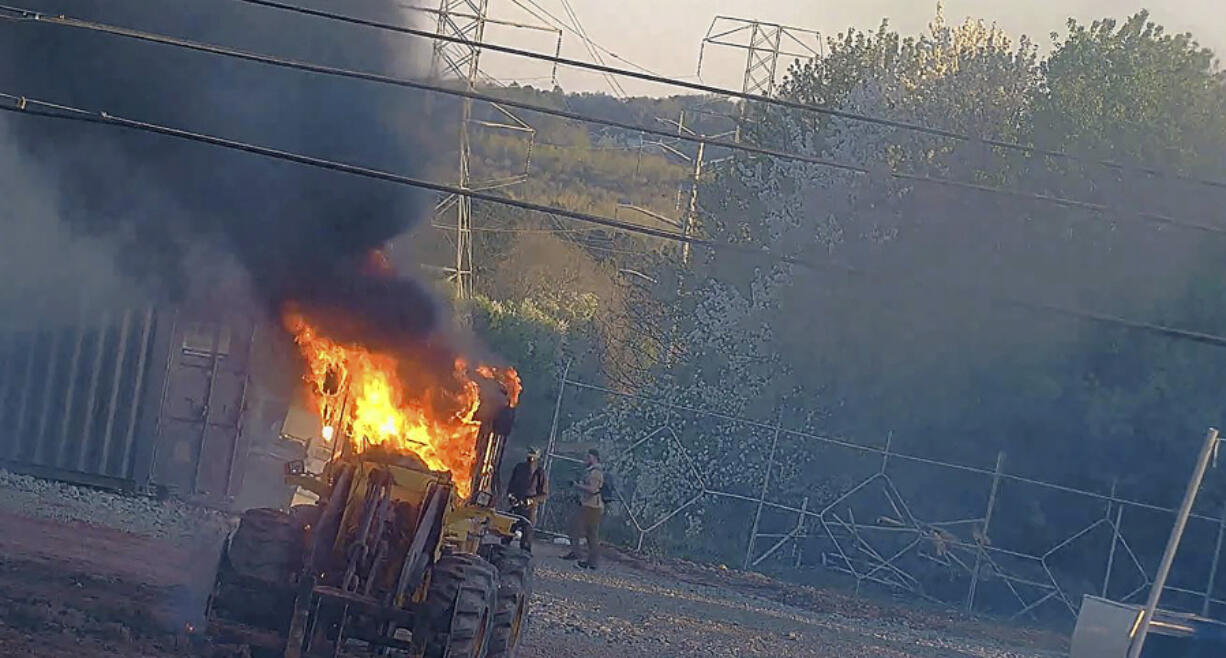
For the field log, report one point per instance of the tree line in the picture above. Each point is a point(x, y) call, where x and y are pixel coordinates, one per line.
point(920, 343)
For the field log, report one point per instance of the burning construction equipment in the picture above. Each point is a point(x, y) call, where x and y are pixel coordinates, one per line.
point(404, 549)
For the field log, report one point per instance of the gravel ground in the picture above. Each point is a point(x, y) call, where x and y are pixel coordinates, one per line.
point(622, 611)
point(88, 574)
point(164, 519)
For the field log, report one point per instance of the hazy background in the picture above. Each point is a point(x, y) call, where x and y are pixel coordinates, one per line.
point(664, 37)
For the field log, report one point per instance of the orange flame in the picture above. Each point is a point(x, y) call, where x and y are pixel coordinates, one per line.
point(508, 380)
point(381, 399)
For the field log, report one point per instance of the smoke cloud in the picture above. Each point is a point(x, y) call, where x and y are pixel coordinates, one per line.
point(43, 264)
point(168, 206)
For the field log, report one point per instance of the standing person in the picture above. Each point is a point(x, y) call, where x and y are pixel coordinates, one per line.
point(528, 486)
point(591, 508)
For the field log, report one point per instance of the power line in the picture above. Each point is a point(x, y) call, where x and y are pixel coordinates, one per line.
point(64, 21)
point(24, 105)
point(283, 62)
point(613, 81)
point(578, 28)
point(498, 229)
point(595, 45)
point(492, 21)
point(719, 91)
point(34, 107)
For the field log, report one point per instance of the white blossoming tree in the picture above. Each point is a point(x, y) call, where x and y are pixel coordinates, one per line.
point(738, 338)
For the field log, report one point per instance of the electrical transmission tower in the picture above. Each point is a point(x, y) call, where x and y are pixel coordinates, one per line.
point(466, 20)
point(689, 210)
point(689, 227)
point(764, 43)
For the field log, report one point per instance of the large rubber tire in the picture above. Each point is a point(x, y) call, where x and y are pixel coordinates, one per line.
point(514, 594)
point(254, 581)
point(458, 618)
point(267, 545)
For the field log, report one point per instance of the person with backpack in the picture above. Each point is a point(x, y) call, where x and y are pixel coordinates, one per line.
point(586, 523)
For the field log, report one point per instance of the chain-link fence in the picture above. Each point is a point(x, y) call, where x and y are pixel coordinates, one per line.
point(711, 486)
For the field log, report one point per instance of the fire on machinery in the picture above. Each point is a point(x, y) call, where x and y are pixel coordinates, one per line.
point(403, 548)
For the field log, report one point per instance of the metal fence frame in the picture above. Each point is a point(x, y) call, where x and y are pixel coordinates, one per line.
point(856, 549)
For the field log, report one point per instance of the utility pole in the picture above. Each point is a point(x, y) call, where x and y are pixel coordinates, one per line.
point(689, 226)
point(764, 43)
point(691, 211)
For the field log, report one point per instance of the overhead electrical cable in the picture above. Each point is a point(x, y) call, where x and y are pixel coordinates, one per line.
point(562, 24)
point(24, 105)
point(18, 104)
point(613, 81)
point(23, 15)
point(733, 93)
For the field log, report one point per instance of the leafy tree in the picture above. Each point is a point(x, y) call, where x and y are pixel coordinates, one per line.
point(917, 340)
point(904, 331)
point(1130, 92)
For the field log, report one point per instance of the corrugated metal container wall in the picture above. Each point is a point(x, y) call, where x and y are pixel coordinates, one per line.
point(73, 397)
point(200, 449)
point(129, 399)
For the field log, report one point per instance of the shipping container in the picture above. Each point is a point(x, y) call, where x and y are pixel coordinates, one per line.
point(142, 399)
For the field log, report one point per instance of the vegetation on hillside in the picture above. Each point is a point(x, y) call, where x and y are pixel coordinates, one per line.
point(928, 341)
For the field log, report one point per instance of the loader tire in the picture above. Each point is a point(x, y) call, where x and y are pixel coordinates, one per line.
point(458, 616)
point(514, 593)
point(255, 578)
point(267, 545)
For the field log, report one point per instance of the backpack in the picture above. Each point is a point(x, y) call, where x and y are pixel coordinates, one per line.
point(608, 490)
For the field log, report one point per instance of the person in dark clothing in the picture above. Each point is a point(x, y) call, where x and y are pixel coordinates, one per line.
point(529, 486)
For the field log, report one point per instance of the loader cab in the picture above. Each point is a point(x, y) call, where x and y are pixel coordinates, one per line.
point(303, 427)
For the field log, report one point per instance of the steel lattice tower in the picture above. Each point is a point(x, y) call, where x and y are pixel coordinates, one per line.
point(467, 20)
point(463, 19)
point(762, 58)
point(764, 43)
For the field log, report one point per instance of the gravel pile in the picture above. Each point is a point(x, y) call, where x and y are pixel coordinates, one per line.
point(163, 519)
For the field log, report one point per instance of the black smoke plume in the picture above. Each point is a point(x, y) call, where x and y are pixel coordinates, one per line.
point(298, 233)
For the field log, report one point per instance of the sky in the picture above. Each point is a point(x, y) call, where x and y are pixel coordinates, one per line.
point(664, 36)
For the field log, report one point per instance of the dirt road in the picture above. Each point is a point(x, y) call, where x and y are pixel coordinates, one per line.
point(82, 587)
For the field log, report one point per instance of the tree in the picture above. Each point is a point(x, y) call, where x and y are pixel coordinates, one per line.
point(917, 341)
point(759, 340)
point(1130, 92)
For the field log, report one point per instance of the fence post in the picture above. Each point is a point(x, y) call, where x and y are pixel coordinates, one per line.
point(987, 522)
point(800, 521)
point(553, 434)
point(885, 453)
point(1172, 544)
point(1115, 536)
point(766, 480)
point(1217, 556)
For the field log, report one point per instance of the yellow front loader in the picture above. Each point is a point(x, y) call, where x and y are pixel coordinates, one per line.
point(390, 559)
